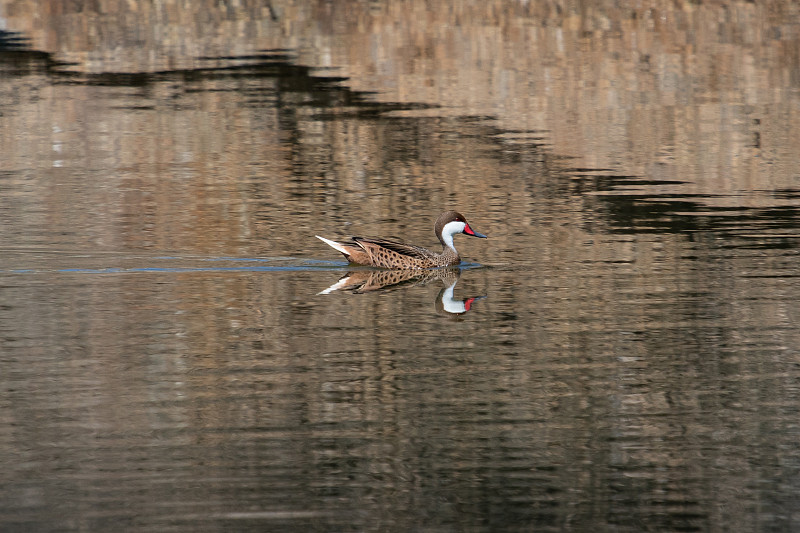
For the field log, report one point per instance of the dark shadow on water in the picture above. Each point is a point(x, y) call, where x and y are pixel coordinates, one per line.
point(773, 224)
point(316, 89)
point(18, 59)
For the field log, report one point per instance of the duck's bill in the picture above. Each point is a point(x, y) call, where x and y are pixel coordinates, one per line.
point(473, 233)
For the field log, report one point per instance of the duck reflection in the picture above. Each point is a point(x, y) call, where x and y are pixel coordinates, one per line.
point(364, 281)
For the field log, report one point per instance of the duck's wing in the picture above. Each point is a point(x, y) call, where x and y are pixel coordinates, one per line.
point(401, 248)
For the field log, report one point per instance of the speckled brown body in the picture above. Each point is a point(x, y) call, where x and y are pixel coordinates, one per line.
point(391, 254)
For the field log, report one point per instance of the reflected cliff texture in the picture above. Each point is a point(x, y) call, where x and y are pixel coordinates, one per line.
point(167, 363)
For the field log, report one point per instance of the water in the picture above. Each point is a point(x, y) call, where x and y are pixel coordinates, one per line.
point(179, 353)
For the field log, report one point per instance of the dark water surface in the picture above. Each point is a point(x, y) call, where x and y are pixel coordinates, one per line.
point(179, 353)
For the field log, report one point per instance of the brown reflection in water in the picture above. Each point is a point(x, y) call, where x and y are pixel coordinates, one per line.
point(699, 99)
point(632, 363)
point(673, 91)
point(190, 398)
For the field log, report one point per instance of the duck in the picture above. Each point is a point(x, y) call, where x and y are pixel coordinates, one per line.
point(385, 253)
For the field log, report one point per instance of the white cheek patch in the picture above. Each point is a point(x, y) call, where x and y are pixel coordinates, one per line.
point(450, 229)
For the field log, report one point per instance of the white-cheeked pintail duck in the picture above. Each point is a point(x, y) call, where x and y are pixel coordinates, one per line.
point(384, 253)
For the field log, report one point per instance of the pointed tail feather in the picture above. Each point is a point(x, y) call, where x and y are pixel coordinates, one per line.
point(333, 244)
